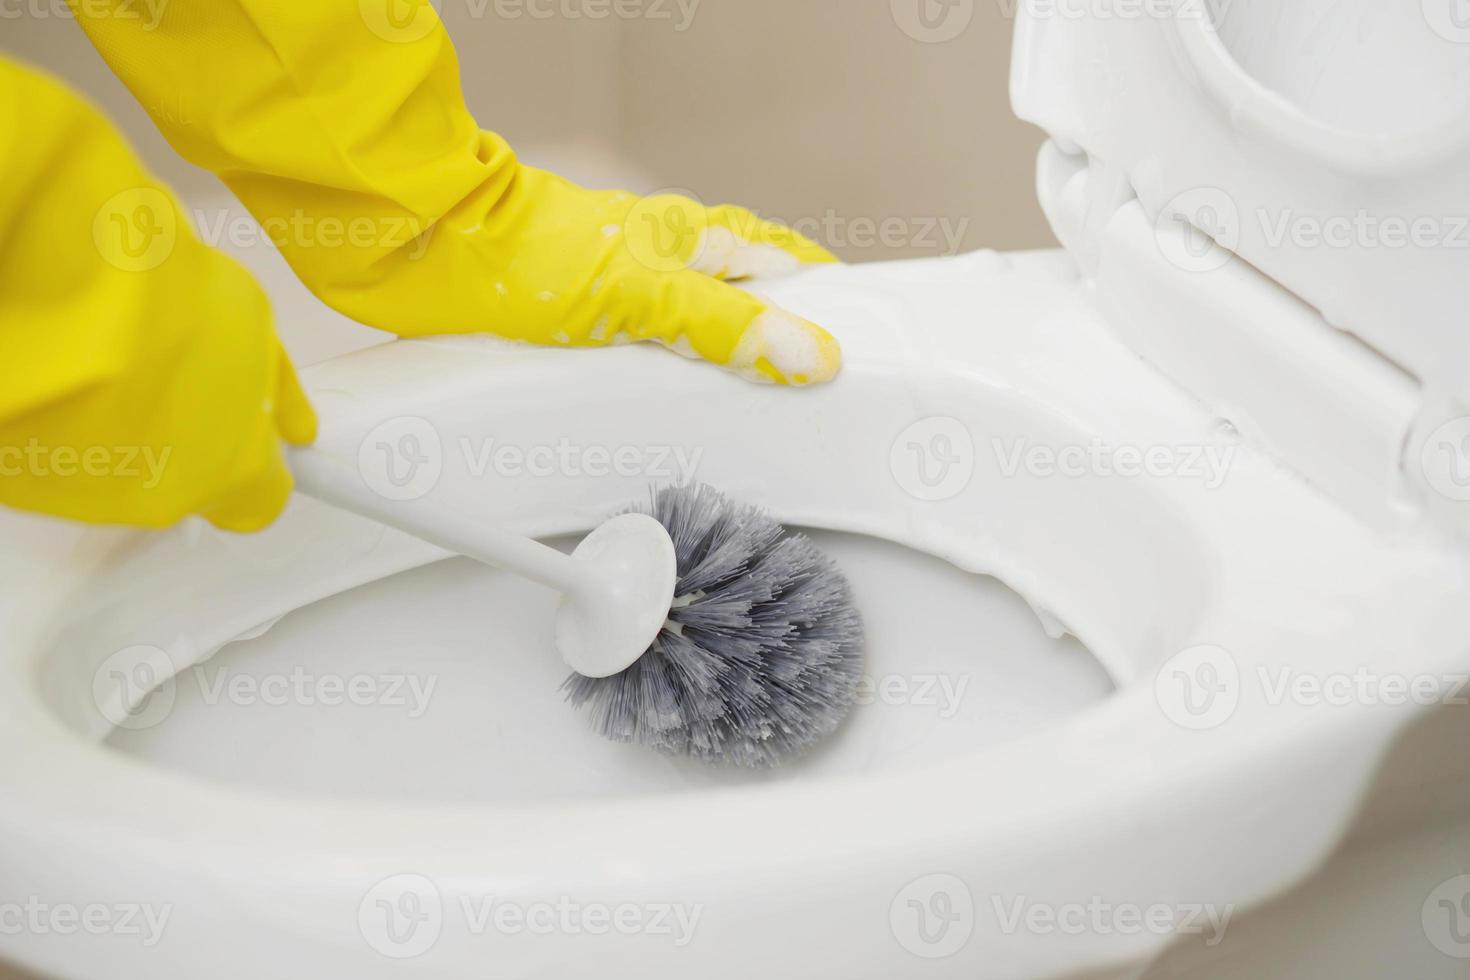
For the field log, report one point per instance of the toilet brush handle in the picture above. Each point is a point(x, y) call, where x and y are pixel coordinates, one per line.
point(617, 587)
point(325, 478)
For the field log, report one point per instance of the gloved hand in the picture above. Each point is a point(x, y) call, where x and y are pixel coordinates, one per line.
point(140, 376)
point(566, 265)
point(325, 117)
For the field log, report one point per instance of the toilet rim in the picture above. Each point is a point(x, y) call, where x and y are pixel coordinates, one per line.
point(1087, 780)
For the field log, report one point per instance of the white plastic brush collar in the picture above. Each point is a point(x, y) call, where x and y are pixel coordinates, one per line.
point(617, 586)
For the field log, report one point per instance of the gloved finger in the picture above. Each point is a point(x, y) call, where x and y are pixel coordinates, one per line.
point(671, 232)
point(698, 316)
point(295, 418)
point(739, 244)
point(257, 499)
point(254, 499)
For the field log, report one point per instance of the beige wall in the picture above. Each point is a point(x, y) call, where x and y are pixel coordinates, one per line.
point(811, 107)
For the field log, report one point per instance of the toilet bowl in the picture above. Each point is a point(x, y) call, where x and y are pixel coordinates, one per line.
point(1165, 450)
point(1184, 588)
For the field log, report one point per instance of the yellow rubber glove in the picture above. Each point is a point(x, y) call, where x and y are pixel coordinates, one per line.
point(140, 376)
point(342, 127)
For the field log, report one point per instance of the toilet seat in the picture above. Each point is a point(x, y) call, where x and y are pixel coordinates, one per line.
point(1155, 573)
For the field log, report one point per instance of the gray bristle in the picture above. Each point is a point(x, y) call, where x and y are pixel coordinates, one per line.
point(763, 650)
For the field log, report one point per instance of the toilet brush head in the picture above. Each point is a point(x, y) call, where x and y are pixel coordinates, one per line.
point(762, 652)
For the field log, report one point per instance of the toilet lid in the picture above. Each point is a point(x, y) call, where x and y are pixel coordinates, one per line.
point(1325, 142)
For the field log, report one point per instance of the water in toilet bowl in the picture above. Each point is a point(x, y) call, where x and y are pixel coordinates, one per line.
point(441, 684)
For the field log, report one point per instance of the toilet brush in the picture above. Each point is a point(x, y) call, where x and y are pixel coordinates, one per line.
point(694, 625)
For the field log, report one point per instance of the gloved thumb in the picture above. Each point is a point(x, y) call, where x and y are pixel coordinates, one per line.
point(295, 418)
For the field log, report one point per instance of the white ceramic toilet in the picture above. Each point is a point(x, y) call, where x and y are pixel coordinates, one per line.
point(1230, 466)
